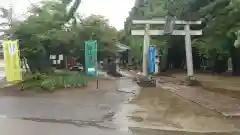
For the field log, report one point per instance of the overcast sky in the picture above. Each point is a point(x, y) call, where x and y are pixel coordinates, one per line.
point(114, 10)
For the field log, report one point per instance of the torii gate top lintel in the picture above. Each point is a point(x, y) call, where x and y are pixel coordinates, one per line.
point(163, 21)
point(187, 32)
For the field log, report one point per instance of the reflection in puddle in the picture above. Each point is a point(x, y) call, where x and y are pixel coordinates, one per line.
point(134, 114)
point(121, 118)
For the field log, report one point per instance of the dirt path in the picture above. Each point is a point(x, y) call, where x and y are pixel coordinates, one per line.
point(226, 85)
point(160, 108)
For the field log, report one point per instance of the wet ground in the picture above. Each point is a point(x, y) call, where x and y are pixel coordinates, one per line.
point(165, 110)
point(18, 127)
point(117, 107)
point(225, 84)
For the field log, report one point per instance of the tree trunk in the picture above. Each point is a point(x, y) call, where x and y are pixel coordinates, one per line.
point(163, 63)
point(66, 61)
point(235, 54)
point(25, 64)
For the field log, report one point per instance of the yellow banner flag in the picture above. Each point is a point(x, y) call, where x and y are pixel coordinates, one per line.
point(12, 60)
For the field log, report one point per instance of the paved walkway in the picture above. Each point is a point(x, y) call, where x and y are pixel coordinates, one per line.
point(2, 63)
point(225, 105)
point(2, 72)
point(21, 127)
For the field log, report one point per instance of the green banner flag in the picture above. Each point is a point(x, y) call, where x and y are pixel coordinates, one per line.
point(91, 58)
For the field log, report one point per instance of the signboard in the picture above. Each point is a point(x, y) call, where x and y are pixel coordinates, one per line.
point(91, 58)
point(151, 59)
point(12, 61)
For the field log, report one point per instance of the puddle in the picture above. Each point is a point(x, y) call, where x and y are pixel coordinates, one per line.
point(121, 119)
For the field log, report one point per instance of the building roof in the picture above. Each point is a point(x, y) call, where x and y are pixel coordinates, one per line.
point(122, 47)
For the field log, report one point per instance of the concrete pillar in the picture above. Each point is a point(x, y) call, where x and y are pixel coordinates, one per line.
point(188, 48)
point(145, 50)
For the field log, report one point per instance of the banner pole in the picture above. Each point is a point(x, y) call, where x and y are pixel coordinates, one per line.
point(97, 65)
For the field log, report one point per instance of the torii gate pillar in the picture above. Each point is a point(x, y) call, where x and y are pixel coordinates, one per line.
point(186, 32)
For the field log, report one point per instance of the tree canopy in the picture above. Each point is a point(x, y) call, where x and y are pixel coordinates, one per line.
point(220, 22)
point(54, 26)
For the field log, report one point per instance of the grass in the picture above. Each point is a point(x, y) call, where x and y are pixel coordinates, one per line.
point(54, 81)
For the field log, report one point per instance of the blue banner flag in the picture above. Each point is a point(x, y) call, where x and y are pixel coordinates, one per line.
point(151, 59)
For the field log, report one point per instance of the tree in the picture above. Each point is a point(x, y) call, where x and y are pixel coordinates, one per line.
point(6, 15)
point(143, 10)
point(219, 32)
point(55, 27)
point(97, 27)
point(41, 32)
point(94, 27)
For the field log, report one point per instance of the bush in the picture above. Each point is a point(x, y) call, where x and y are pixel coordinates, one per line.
point(53, 81)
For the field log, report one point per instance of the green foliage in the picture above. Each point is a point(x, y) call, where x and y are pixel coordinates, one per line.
point(6, 16)
point(143, 10)
point(45, 23)
point(161, 44)
point(136, 46)
point(44, 31)
point(54, 81)
point(55, 27)
point(220, 21)
point(65, 80)
point(97, 27)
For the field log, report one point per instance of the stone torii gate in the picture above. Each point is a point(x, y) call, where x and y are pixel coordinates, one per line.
point(186, 32)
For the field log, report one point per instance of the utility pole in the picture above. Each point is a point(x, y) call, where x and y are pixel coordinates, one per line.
point(10, 15)
point(10, 18)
